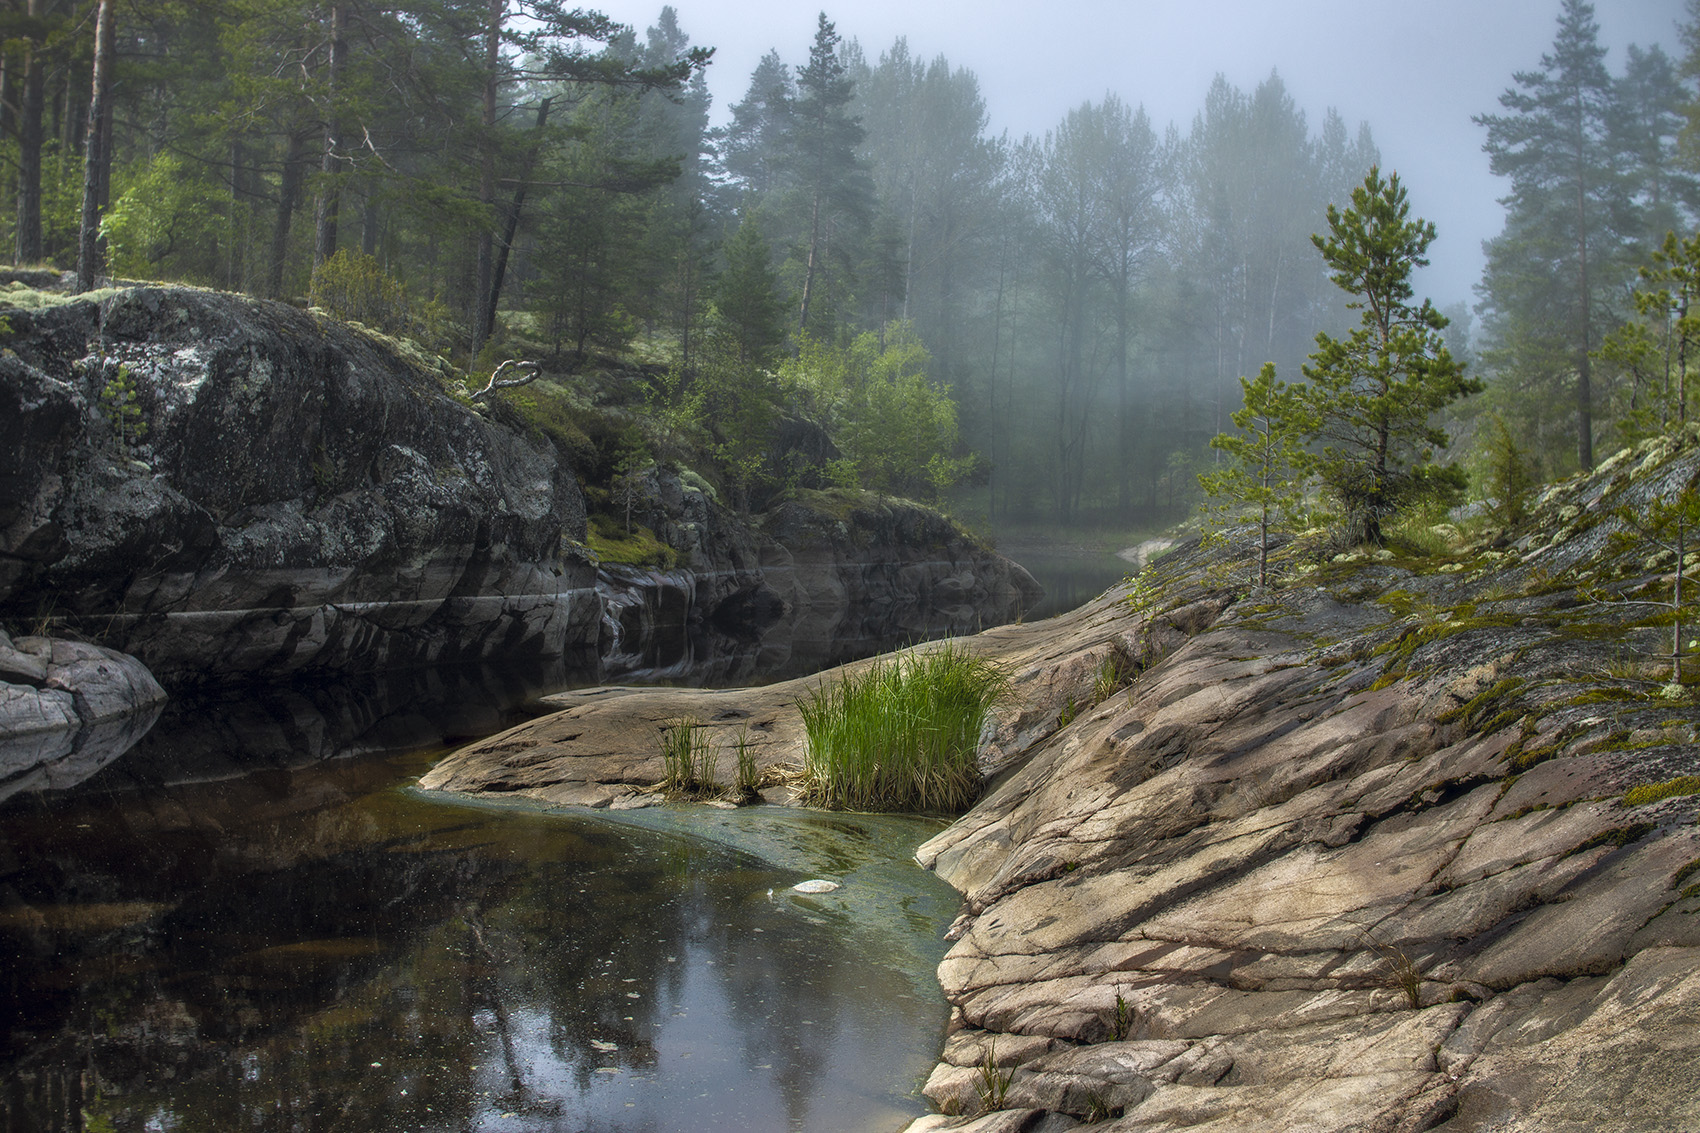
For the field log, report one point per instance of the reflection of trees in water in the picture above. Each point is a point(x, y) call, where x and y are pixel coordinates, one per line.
point(616, 950)
point(295, 949)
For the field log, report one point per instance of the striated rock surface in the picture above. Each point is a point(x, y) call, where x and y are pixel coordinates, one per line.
point(602, 746)
point(67, 709)
point(1357, 854)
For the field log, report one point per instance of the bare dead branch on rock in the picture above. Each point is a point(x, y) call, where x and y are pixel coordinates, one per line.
point(531, 371)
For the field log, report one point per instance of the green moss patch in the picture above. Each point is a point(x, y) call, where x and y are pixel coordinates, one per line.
point(1479, 707)
point(612, 543)
point(1617, 837)
point(1669, 789)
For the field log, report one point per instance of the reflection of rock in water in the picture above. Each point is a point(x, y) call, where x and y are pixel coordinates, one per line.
point(67, 709)
point(52, 761)
point(208, 735)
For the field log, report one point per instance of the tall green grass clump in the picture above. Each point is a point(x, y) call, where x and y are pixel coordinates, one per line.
point(687, 760)
point(903, 735)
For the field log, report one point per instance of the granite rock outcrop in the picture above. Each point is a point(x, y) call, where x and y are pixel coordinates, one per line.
point(232, 490)
point(222, 486)
point(1403, 844)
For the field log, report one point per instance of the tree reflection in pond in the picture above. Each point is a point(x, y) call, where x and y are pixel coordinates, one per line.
point(318, 949)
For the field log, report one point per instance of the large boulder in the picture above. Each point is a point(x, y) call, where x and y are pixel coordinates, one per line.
point(228, 487)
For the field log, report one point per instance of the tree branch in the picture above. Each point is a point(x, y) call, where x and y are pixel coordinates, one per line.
point(531, 370)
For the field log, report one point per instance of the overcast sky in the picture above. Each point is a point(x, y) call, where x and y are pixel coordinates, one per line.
point(1415, 70)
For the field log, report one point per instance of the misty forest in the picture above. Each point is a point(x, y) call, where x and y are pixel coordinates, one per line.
point(1046, 329)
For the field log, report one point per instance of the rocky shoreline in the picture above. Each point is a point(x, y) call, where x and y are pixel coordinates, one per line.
point(1403, 845)
point(233, 492)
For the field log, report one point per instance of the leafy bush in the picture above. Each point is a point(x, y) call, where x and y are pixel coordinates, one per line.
point(896, 426)
point(904, 735)
point(354, 286)
point(162, 222)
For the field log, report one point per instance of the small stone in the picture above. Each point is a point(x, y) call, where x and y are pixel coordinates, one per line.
point(815, 886)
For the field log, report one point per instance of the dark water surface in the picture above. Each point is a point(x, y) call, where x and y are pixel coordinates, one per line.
point(1071, 578)
point(328, 949)
point(254, 922)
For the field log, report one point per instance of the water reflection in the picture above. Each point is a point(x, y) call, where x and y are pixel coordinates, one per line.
point(1070, 578)
point(315, 948)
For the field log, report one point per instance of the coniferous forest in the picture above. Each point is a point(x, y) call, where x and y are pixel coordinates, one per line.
point(1021, 329)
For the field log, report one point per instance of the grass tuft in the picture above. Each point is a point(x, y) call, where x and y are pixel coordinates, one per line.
point(993, 1086)
point(1402, 972)
point(748, 779)
point(1124, 1018)
point(903, 735)
point(688, 760)
point(1114, 673)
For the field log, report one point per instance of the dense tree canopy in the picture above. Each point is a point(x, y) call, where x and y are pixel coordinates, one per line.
point(1087, 302)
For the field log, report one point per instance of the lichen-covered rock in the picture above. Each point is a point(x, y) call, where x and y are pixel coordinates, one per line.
point(1352, 855)
point(230, 489)
point(287, 494)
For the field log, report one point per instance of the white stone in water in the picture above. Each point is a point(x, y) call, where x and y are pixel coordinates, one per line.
point(815, 886)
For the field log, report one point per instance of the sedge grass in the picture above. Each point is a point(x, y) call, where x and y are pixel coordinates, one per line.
point(903, 735)
point(687, 760)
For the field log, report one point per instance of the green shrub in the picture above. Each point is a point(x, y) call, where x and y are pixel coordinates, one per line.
point(118, 398)
point(354, 287)
point(904, 735)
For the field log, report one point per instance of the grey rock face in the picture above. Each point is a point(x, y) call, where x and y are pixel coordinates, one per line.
point(1352, 855)
point(67, 709)
point(298, 496)
point(281, 493)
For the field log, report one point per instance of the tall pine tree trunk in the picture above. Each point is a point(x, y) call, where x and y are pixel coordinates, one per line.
point(288, 196)
point(90, 253)
point(809, 271)
point(27, 249)
point(510, 229)
point(1584, 371)
point(330, 165)
point(485, 275)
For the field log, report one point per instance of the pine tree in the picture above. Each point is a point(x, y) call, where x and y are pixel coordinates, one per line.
point(1567, 201)
point(1373, 392)
point(752, 146)
point(1269, 467)
point(749, 312)
point(834, 185)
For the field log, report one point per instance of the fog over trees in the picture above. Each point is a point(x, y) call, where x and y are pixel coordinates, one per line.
point(1047, 327)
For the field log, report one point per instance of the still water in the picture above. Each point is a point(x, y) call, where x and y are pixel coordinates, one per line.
point(252, 921)
point(1071, 578)
point(262, 946)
